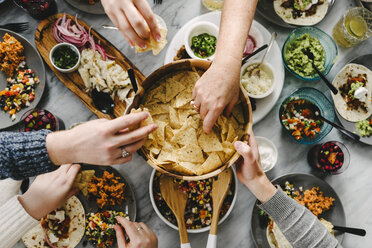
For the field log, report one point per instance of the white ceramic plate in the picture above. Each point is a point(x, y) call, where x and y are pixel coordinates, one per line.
point(274, 58)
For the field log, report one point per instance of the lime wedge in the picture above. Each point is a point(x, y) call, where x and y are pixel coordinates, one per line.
point(358, 27)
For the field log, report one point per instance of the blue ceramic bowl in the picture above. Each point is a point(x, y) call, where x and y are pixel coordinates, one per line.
point(326, 110)
point(327, 42)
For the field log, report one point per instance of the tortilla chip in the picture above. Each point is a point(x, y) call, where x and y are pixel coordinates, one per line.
point(167, 154)
point(212, 163)
point(173, 118)
point(190, 153)
point(185, 168)
point(172, 89)
point(156, 109)
point(231, 134)
point(153, 45)
point(159, 133)
point(237, 112)
point(185, 136)
point(82, 179)
point(209, 142)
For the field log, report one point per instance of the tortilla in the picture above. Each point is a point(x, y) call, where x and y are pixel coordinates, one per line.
point(154, 45)
point(276, 239)
point(286, 14)
point(339, 101)
point(74, 209)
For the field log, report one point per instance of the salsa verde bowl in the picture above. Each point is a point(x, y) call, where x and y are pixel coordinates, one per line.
point(160, 212)
point(318, 99)
point(327, 42)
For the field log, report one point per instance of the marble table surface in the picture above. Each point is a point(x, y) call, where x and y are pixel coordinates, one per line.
point(354, 186)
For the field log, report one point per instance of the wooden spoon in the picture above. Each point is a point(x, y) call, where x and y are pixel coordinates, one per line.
point(220, 188)
point(176, 200)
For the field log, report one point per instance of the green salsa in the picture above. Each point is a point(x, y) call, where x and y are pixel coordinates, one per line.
point(364, 128)
point(298, 62)
point(64, 57)
point(203, 45)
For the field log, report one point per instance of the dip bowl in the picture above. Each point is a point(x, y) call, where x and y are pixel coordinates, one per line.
point(329, 46)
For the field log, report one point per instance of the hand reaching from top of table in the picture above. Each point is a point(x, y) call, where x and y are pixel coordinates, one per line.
point(99, 142)
point(134, 19)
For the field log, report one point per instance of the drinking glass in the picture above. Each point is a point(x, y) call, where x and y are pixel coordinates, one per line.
point(354, 27)
point(213, 5)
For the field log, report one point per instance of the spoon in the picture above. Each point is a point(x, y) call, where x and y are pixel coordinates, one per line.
point(103, 102)
point(256, 69)
point(176, 200)
point(109, 27)
point(343, 130)
point(220, 188)
point(355, 231)
point(310, 55)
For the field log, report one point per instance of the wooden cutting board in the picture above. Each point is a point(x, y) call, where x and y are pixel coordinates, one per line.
point(45, 41)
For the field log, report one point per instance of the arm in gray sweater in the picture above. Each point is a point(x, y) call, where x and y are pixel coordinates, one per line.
point(301, 228)
point(24, 155)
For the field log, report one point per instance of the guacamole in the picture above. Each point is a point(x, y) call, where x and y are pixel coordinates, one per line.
point(364, 128)
point(298, 62)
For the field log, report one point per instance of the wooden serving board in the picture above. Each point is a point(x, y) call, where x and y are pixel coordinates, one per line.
point(45, 41)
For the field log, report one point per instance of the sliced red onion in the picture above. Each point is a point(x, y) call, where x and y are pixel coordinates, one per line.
point(250, 46)
point(47, 239)
point(101, 51)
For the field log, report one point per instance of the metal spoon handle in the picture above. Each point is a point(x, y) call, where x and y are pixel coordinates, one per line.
point(109, 27)
point(273, 37)
point(342, 129)
point(254, 53)
point(356, 231)
point(329, 84)
point(133, 80)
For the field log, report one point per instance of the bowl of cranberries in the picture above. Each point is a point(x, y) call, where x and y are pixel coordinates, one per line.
point(331, 157)
point(38, 119)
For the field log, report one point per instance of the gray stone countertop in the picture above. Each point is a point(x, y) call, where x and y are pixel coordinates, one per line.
point(354, 186)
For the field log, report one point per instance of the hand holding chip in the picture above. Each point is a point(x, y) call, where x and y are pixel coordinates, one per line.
point(216, 91)
point(134, 19)
point(49, 191)
point(99, 142)
point(249, 171)
point(139, 234)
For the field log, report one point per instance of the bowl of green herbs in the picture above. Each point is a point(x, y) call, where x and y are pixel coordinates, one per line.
point(201, 40)
point(65, 57)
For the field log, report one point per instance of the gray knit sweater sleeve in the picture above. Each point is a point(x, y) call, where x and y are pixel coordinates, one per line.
point(298, 224)
point(24, 154)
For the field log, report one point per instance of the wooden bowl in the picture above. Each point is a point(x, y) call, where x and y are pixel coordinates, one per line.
point(186, 65)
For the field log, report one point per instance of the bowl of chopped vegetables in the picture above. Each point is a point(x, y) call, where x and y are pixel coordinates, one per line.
point(298, 118)
point(65, 57)
point(201, 40)
point(319, 43)
point(199, 207)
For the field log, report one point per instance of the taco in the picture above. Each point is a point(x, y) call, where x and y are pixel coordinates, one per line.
point(63, 227)
point(353, 100)
point(276, 239)
point(301, 12)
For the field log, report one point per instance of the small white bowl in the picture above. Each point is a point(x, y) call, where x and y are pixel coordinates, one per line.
point(196, 29)
point(74, 48)
point(200, 230)
point(269, 143)
point(270, 90)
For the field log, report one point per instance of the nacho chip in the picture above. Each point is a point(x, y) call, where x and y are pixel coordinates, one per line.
point(231, 134)
point(154, 45)
point(185, 136)
point(173, 118)
point(190, 153)
point(167, 154)
point(156, 109)
point(172, 89)
point(213, 162)
point(237, 112)
point(209, 142)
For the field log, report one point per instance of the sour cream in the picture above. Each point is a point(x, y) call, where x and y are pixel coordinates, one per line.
point(268, 153)
point(361, 94)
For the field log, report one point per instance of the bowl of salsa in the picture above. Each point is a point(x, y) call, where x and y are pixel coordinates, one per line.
point(297, 115)
point(199, 206)
point(38, 119)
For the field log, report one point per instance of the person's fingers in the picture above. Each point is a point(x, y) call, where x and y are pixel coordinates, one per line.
point(135, 135)
point(209, 121)
point(244, 150)
point(229, 108)
point(146, 229)
point(253, 143)
point(136, 20)
point(132, 34)
point(72, 172)
point(203, 110)
point(126, 121)
point(120, 237)
point(64, 168)
point(132, 148)
point(129, 227)
point(123, 160)
point(125, 27)
point(145, 9)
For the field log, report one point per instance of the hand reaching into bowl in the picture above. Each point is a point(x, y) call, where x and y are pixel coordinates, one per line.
point(99, 142)
point(249, 172)
point(139, 234)
point(49, 191)
point(134, 19)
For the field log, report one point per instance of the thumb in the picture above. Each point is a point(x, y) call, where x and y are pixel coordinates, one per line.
point(244, 150)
